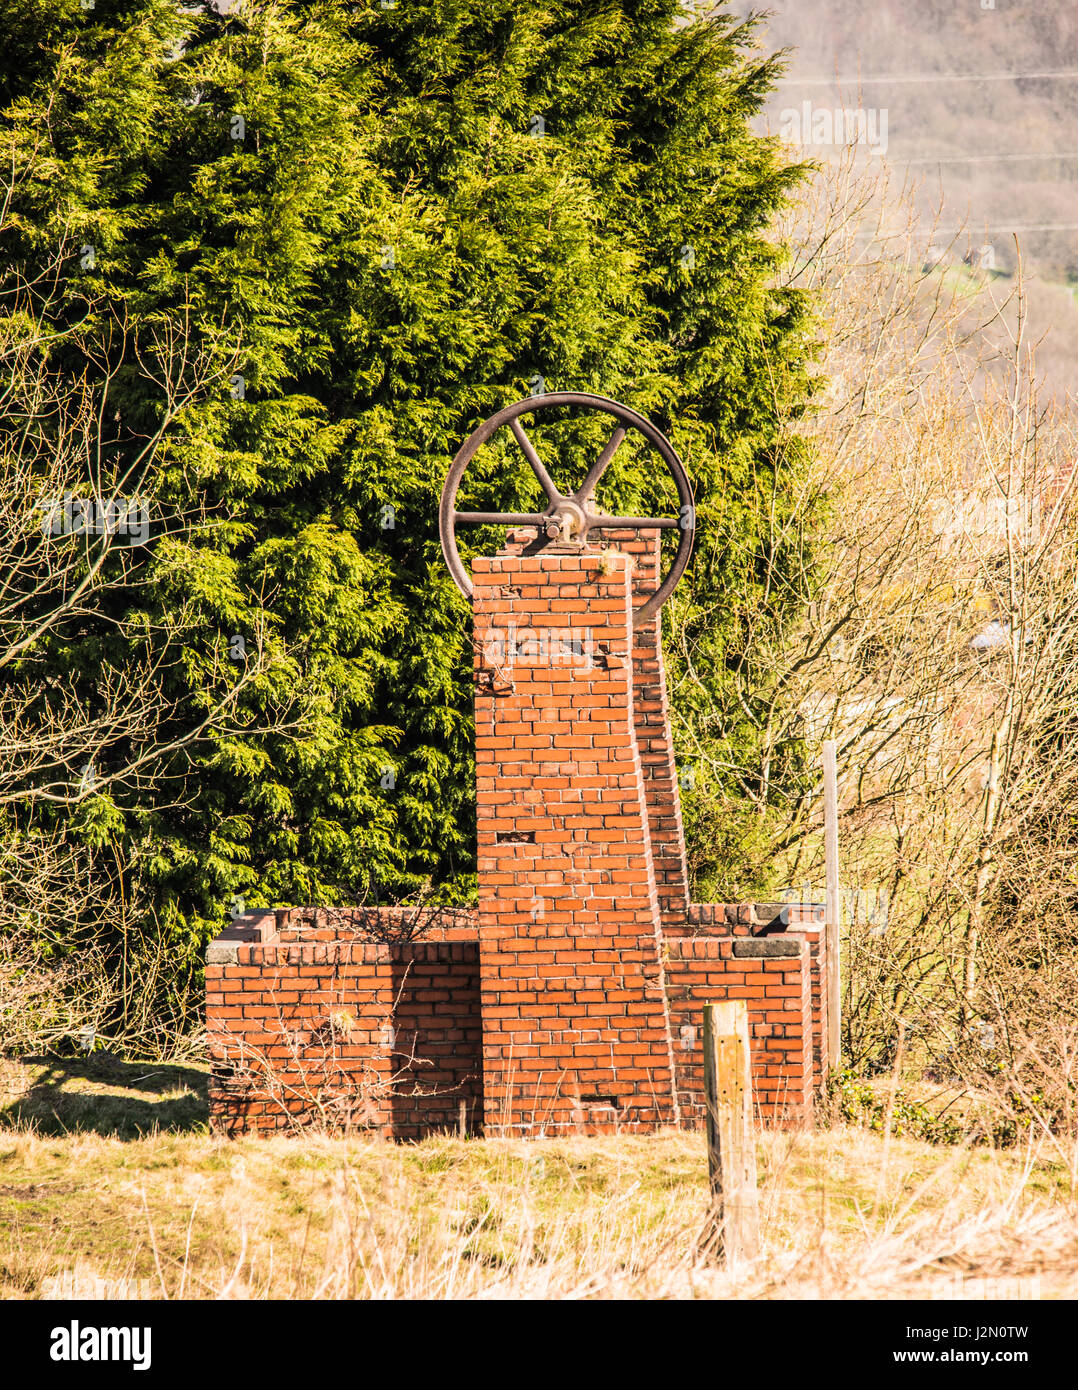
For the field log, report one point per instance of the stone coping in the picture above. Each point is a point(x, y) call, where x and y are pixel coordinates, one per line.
point(756, 922)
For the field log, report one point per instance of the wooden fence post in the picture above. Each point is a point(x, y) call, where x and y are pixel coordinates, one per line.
point(834, 906)
point(731, 1137)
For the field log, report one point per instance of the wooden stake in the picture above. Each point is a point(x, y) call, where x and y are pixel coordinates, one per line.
point(834, 905)
point(731, 1139)
point(463, 1118)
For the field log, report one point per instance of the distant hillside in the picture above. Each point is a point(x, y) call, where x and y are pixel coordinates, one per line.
point(990, 147)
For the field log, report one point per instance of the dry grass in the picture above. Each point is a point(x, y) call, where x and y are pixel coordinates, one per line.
point(845, 1214)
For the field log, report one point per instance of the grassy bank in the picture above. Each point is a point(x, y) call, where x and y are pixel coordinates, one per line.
point(175, 1213)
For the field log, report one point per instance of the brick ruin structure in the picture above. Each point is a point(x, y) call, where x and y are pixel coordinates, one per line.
point(570, 1000)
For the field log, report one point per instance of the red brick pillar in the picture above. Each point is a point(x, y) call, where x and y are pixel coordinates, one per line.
point(652, 715)
point(575, 1026)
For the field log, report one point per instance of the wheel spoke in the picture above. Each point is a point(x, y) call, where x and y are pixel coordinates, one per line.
point(635, 523)
point(501, 518)
point(598, 468)
point(568, 517)
point(546, 482)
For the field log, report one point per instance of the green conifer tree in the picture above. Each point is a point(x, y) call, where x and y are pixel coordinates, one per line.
point(392, 218)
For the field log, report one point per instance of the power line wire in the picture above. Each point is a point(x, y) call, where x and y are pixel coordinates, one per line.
point(974, 230)
point(1018, 227)
point(982, 158)
point(1061, 74)
point(965, 158)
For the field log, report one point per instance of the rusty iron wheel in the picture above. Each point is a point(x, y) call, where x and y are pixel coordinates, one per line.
point(569, 516)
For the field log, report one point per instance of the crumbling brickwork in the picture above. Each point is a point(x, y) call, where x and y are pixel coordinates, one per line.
point(571, 999)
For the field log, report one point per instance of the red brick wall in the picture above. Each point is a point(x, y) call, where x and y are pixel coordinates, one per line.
point(374, 923)
point(705, 969)
point(652, 720)
point(344, 1033)
point(804, 922)
point(410, 1081)
point(575, 1030)
point(816, 942)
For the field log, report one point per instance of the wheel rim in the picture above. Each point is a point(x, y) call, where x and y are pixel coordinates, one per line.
point(565, 508)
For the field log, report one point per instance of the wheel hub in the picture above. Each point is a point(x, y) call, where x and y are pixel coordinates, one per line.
point(568, 524)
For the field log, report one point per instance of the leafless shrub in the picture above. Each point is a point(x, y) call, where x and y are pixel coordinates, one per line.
point(302, 1073)
point(78, 502)
point(940, 649)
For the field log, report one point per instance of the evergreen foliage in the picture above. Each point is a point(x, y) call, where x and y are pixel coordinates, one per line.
point(365, 200)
